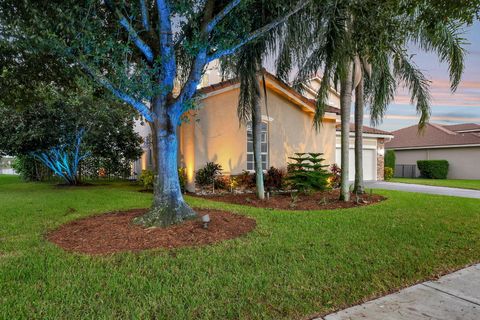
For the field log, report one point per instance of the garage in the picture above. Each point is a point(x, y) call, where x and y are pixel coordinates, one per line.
point(369, 163)
point(373, 152)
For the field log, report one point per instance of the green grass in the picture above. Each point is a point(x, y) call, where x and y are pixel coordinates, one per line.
point(463, 184)
point(293, 265)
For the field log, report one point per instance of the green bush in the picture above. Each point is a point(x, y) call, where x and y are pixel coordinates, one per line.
point(433, 169)
point(30, 169)
point(307, 173)
point(390, 159)
point(147, 178)
point(388, 173)
point(206, 175)
point(182, 177)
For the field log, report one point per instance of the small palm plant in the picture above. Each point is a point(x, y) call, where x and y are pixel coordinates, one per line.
point(307, 173)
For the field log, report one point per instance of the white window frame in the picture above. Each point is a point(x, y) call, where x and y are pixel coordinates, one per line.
point(264, 134)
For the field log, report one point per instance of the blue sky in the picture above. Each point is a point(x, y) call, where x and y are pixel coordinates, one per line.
point(447, 108)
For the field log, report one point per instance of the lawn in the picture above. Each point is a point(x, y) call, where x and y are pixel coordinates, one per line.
point(293, 265)
point(463, 184)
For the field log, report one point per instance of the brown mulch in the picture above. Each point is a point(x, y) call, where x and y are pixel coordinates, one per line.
point(316, 201)
point(115, 232)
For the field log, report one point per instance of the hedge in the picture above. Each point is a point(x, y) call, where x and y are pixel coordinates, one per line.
point(433, 169)
point(390, 159)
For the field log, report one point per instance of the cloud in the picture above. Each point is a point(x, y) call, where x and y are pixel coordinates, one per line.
point(467, 94)
point(433, 118)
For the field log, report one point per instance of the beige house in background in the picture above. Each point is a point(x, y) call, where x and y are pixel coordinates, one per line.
point(213, 132)
point(458, 144)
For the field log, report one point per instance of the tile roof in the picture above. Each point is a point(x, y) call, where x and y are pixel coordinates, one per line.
point(433, 135)
point(463, 127)
point(366, 129)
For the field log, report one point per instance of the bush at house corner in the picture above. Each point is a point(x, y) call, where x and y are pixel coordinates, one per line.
point(433, 169)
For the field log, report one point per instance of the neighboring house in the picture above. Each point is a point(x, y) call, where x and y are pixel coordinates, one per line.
point(458, 144)
point(6, 163)
point(214, 133)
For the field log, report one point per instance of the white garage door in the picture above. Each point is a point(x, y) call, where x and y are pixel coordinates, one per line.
point(369, 163)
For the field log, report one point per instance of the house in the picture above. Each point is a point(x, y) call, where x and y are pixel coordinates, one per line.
point(6, 163)
point(458, 144)
point(214, 133)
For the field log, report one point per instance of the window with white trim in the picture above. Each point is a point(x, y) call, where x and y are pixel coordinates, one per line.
point(263, 148)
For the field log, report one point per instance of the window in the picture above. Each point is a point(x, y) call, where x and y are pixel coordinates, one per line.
point(264, 147)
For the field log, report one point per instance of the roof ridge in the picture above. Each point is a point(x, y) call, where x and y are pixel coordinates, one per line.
point(440, 127)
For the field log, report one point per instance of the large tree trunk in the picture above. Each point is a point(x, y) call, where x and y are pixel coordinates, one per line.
point(345, 106)
point(257, 149)
point(359, 106)
point(168, 207)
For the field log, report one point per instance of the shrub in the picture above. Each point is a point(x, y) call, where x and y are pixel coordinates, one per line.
point(433, 169)
point(388, 173)
point(222, 182)
point(336, 176)
point(246, 180)
point(206, 175)
point(30, 169)
point(274, 178)
point(390, 159)
point(182, 178)
point(307, 173)
point(147, 178)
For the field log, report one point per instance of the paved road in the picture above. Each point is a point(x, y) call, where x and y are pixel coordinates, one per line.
point(454, 296)
point(465, 193)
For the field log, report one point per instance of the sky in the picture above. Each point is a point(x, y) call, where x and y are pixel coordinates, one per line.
point(463, 106)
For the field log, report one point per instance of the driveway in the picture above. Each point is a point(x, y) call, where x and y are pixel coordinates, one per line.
point(465, 193)
point(454, 296)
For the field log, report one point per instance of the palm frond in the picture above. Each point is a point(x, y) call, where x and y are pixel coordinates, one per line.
point(446, 39)
point(419, 86)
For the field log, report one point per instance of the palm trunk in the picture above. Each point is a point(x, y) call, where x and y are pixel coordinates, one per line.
point(345, 106)
point(168, 207)
point(359, 106)
point(154, 144)
point(257, 148)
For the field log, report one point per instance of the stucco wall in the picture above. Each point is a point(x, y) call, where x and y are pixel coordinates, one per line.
point(219, 138)
point(291, 130)
point(463, 162)
point(218, 135)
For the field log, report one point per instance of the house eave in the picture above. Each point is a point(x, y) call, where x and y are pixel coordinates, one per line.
point(368, 135)
point(435, 147)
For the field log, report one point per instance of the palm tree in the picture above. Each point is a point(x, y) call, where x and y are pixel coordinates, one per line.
point(345, 31)
point(246, 65)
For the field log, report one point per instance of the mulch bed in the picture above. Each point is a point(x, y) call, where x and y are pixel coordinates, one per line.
point(115, 232)
point(284, 201)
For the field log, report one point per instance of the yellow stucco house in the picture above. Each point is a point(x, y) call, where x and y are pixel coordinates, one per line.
point(213, 132)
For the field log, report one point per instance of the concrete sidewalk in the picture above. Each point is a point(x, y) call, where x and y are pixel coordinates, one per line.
point(418, 188)
point(454, 296)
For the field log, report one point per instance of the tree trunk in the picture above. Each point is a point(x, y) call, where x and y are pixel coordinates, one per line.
point(359, 106)
point(345, 106)
point(257, 149)
point(168, 207)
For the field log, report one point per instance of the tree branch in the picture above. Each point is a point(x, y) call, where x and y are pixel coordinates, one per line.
point(138, 105)
point(166, 45)
point(141, 45)
point(144, 11)
point(226, 10)
point(259, 32)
